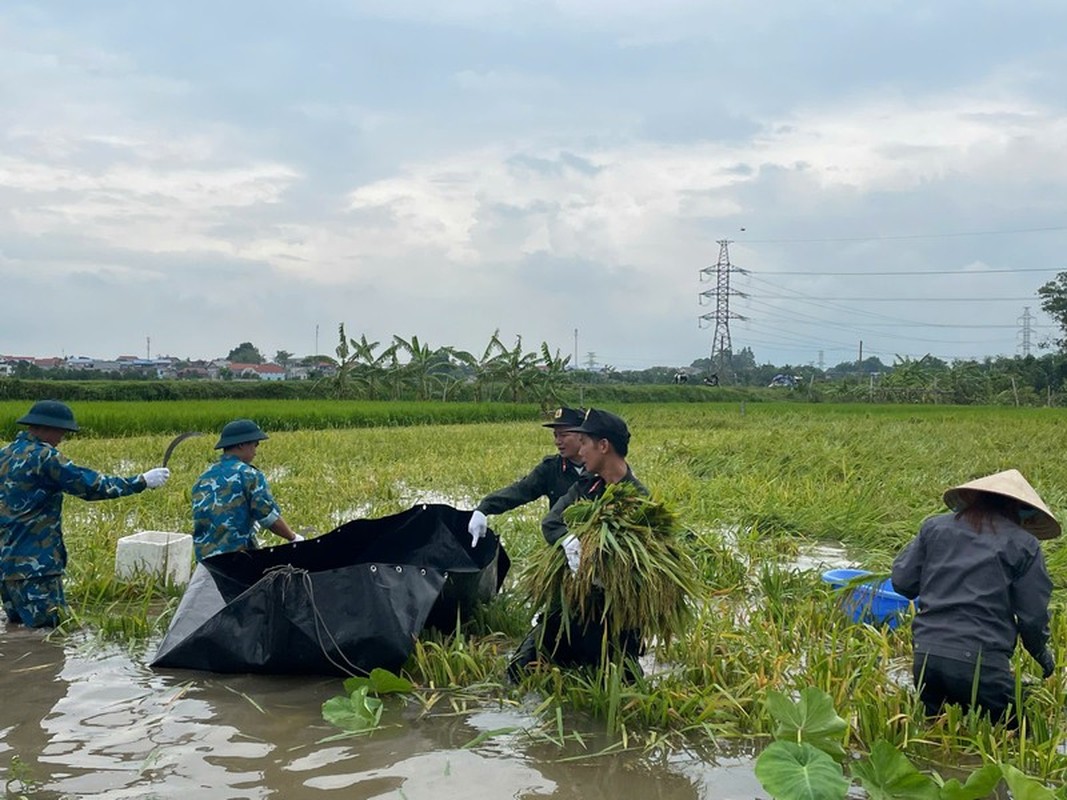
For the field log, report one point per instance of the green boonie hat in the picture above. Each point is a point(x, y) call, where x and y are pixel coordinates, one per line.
point(566, 418)
point(238, 432)
point(50, 414)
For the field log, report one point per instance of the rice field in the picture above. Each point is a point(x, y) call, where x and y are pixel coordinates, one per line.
point(758, 487)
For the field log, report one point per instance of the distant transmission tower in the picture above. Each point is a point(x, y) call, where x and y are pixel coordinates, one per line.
point(1026, 331)
point(721, 347)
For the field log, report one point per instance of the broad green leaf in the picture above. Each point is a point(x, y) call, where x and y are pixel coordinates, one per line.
point(380, 681)
point(812, 720)
point(1023, 787)
point(357, 712)
point(791, 771)
point(980, 783)
point(385, 682)
point(354, 684)
point(888, 775)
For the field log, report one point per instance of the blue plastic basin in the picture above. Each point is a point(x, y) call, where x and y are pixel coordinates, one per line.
point(865, 602)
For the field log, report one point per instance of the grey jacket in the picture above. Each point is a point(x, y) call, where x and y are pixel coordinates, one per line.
point(978, 592)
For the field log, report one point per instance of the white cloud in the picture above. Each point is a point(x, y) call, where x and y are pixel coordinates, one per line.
point(508, 153)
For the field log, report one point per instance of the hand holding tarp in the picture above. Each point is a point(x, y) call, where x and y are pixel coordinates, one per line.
point(573, 550)
point(156, 477)
point(477, 527)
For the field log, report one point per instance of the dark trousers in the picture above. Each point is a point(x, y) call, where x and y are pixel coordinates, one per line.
point(944, 680)
point(574, 643)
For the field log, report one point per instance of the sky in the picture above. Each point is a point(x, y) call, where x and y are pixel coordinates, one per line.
point(178, 178)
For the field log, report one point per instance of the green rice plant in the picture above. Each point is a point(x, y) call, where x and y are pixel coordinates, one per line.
point(635, 572)
point(453, 661)
point(751, 492)
point(105, 419)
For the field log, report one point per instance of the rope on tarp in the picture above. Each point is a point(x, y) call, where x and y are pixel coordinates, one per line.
point(286, 573)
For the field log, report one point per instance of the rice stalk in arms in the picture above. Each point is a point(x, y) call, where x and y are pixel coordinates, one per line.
point(635, 573)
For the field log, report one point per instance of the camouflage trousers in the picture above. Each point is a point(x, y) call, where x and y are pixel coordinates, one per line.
point(34, 602)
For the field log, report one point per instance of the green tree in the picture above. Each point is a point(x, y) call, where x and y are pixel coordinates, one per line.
point(245, 353)
point(1054, 303)
point(358, 371)
point(513, 368)
point(426, 368)
point(550, 377)
point(283, 358)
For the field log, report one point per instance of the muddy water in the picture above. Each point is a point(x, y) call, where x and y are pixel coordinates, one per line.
point(94, 722)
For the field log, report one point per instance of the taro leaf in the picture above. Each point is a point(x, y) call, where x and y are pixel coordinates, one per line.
point(357, 713)
point(980, 783)
point(812, 720)
point(1023, 787)
point(380, 681)
point(791, 771)
point(888, 775)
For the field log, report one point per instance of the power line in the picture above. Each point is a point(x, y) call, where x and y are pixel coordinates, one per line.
point(899, 237)
point(961, 273)
point(914, 299)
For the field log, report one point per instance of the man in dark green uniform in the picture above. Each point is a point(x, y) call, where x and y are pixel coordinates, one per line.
point(552, 478)
point(604, 441)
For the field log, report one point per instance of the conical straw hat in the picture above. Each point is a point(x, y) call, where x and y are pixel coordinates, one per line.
point(1009, 483)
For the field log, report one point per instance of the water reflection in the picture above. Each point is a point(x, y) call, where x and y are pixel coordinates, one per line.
point(94, 722)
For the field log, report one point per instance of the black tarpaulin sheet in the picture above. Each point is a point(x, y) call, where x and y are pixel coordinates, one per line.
point(435, 535)
point(343, 603)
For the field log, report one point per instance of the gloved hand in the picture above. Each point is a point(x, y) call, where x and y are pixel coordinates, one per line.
point(156, 477)
point(1047, 663)
point(477, 527)
point(297, 538)
point(573, 550)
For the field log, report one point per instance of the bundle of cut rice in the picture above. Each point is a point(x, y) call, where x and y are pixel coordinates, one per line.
point(635, 571)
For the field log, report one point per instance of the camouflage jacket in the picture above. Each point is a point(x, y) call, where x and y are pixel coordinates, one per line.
point(551, 478)
point(34, 475)
point(228, 498)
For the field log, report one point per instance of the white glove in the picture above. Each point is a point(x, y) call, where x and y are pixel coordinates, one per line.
point(297, 538)
point(477, 527)
point(155, 478)
point(573, 549)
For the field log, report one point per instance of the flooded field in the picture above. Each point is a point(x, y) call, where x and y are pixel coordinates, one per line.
point(84, 721)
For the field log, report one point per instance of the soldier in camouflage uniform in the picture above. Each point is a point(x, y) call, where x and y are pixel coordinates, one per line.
point(231, 497)
point(552, 478)
point(34, 476)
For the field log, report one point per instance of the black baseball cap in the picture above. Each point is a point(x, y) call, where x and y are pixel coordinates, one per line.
point(566, 418)
point(605, 425)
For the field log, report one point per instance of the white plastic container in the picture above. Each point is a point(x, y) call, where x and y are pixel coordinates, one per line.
point(155, 552)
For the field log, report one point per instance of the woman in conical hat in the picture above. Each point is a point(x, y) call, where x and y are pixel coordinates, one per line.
point(981, 584)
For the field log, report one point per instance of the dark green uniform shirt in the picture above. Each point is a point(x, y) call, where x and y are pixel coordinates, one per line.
point(551, 478)
point(588, 487)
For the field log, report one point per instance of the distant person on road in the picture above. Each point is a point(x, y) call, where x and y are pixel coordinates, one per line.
point(551, 478)
point(231, 497)
point(981, 582)
point(34, 476)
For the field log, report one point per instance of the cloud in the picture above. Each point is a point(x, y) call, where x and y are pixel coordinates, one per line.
point(450, 169)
